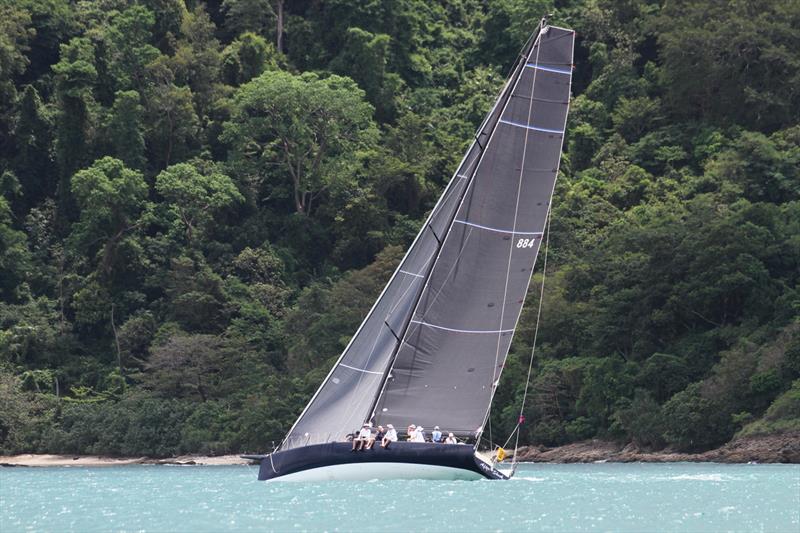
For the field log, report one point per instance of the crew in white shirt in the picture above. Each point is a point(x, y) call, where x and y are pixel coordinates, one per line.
point(389, 437)
point(363, 437)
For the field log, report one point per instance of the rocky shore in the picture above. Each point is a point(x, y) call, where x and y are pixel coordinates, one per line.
point(779, 448)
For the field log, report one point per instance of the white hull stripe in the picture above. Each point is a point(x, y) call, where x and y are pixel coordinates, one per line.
point(527, 127)
point(497, 230)
point(360, 369)
point(383, 471)
point(495, 331)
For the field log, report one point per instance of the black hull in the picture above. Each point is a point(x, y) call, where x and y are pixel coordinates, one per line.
point(460, 459)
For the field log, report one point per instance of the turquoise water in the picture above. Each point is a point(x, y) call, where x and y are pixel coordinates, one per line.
point(596, 497)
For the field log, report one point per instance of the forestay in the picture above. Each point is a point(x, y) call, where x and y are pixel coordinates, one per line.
point(346, 396)
point(456, 344)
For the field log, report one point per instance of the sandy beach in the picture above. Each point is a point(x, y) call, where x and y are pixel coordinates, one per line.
point(96, 460)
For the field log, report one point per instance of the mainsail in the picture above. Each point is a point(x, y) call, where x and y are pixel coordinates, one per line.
point(431, 349)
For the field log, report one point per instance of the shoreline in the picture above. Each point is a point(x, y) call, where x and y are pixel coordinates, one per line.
point(778, 448)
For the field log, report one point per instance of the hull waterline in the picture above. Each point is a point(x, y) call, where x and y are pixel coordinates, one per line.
point(402, 460)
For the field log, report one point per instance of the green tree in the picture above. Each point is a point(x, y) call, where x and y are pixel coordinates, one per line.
point(242, 16)
point(197, 60)
point(364, 58)
point(188, 366)
point(130, 51)
point(33, 162)
point(15, 35)
point(247, 57)
point(707, 46)
point(172, 123)
point(303, 130)
point(126, 129)
point(194, 197)
point(14, 257)
point(75, 76)
point(111, 198)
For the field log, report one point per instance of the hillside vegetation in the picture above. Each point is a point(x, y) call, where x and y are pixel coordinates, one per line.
point(200, 201)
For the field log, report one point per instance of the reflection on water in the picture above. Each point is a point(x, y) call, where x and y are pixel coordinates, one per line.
point(598, 497)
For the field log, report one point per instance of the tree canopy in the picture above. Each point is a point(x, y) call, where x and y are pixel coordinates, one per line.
point(199, 202)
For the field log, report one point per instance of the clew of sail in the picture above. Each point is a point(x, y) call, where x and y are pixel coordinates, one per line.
point(454, 348)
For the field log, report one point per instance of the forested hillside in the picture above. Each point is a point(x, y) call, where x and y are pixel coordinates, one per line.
point(200, 201)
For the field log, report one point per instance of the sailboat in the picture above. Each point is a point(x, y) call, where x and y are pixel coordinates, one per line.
point(432, 348)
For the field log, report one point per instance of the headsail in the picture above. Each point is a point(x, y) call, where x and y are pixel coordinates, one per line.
point(345, 398)
point(454, 349)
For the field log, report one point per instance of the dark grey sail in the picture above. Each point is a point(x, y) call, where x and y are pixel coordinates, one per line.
point(453, 351)
point(345, 398)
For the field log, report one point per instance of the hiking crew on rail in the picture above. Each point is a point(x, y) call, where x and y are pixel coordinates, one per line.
point(365, 438)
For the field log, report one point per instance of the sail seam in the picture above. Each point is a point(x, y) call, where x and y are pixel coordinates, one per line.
point(549, 69)
point(540, 99)
point(360, 369)
point(460, 330)
point(497, 230)
point(529, 127)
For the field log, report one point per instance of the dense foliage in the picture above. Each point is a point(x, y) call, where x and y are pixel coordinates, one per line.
point(200, 201)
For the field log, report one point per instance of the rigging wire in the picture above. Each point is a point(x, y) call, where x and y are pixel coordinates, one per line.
point(495, 375)
point(535, 335)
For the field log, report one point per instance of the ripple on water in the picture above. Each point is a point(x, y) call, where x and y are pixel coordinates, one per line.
point(631, 497)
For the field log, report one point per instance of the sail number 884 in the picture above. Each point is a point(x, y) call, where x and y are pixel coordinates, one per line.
point(525, 243)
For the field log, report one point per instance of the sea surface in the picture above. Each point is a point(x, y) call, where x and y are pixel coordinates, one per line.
point(542, 497)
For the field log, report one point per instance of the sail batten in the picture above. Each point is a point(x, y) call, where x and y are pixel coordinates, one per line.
point(498, 230)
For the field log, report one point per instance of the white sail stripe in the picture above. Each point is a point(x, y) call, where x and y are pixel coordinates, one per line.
point(497, 230)
point(461, 330)
point(550, 69)
point(528, 127)
point(360, 369)
point(411, 273)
